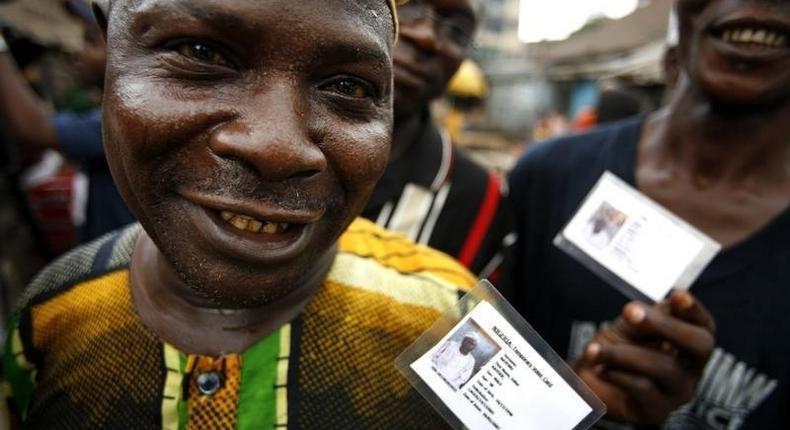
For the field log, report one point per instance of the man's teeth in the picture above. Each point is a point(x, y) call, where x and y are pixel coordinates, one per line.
point(763, 37)
point(247, 223)
point(271, 228)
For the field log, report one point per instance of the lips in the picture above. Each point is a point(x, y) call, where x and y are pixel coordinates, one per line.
point(756, 37)
point(752, 37)
point(249, 230)
point(253, 225)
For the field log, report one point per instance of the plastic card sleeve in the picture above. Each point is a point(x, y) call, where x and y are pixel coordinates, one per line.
point(633, 243)
point(485, 367)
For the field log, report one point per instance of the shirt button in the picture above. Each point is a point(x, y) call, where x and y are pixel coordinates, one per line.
point(208, 383)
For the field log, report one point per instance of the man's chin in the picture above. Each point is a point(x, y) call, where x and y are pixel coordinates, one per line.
point(742, 91)
point(739, 96)
point(410, 100)
point(234, 287)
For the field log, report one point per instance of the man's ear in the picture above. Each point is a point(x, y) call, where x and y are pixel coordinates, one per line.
point(101, 10)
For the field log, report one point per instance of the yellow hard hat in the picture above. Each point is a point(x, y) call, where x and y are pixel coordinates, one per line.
point(468, 81)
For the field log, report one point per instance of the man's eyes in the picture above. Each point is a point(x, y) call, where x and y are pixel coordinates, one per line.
point(353, 88)
point(201, 60)
point(201, 52)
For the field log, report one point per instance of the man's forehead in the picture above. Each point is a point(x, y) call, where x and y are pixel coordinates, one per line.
point(368, 11)
point(303, 33)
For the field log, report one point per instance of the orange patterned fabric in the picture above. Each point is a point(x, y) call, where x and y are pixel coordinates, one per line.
point(362, 332)
point(393, 250)
point(68, 330)
point(217, 411)
point(97, 366)
point(383, 292)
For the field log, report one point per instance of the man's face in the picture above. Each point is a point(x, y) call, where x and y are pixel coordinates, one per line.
point(430, 50)
point(737, 51)
point(246, 135)
point(468, 345)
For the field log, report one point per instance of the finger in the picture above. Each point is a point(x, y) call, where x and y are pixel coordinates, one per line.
point(665, 370)
point(650, 323)
point(685, 306)
point(644, 403)
point(628, 327)
point(636, 386)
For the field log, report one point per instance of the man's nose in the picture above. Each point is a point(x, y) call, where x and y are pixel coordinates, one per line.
point(271, 133)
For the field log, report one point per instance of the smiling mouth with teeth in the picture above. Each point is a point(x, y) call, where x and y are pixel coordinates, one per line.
point(762, 38)
point(253, 225)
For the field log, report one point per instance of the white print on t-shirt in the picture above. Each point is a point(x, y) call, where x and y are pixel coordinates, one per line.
point(729, 390)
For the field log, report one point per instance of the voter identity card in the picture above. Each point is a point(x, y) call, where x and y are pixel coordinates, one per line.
point(634, 243)
point(487, 369)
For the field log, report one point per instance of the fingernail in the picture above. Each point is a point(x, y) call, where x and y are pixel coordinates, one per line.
point(593, 350)
point(685, 301)
point(636, 314)
point(599, 369)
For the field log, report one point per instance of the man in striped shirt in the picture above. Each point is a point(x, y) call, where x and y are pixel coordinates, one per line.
point(245, 136)
point(431, 191)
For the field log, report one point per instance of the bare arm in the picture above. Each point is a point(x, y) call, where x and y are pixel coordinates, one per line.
point(21, 112)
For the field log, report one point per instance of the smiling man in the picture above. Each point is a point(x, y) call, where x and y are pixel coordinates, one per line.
point(245, 135)
point(717, 156)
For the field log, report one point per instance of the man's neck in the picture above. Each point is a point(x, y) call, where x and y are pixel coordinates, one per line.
point(720, 146)
point(179, 316)
point(405, 132)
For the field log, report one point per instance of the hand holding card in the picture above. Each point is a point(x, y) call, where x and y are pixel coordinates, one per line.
point(487, 369)
point(649, 361)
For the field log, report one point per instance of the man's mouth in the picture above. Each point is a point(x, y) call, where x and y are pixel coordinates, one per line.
point(250, 230)
point(754, 37)
point(253, 225)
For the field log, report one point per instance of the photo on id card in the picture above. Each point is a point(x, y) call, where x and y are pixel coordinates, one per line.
point(633, 243)
point(486, 368)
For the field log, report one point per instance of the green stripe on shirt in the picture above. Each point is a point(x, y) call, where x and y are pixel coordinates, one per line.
point(258, 395)
point(16, 370)
point(183, 407)
point(173, 404)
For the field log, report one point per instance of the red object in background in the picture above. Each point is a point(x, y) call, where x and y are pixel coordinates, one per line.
point(51, 202)
point(586, 119)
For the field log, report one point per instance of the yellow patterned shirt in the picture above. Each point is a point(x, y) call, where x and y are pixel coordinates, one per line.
point(79, 357)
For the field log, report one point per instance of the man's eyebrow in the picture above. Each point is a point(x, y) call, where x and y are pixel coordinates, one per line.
point(358, 52)
point(211, 14)
point(338, 45)
point(220, 18)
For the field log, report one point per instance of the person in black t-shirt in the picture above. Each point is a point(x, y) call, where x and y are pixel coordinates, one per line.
point(719, 157)
point(431, 191)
